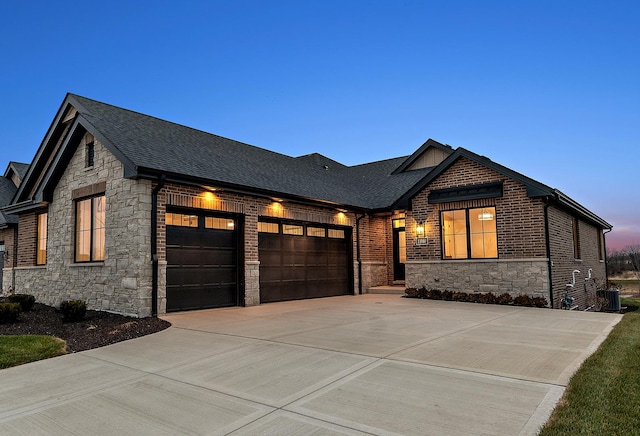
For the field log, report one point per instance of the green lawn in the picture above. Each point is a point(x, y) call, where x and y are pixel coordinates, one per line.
point(603, 397)
point(16, 350)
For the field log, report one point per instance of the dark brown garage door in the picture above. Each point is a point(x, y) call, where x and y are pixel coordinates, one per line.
point(299, 260)
point(202, 262)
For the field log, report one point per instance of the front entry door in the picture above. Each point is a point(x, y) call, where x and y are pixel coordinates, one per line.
point(399, 248)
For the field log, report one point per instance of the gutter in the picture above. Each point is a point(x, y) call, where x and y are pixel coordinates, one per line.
point(547, 243)
point(154, 244)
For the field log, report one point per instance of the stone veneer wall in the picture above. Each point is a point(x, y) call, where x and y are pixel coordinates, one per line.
point(122, 282)
point(516, 277)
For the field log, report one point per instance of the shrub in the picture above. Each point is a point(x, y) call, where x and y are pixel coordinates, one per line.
point(459, 296)
point(9, 312)
point(411, 293)
point(423, 293)
point(487, 298)
point(447, 295)
point(473, 298)
point(523, 300)
point(25, 301)
point(73, 310)
point(540, 302)
point(434, 294)
point(504, 298)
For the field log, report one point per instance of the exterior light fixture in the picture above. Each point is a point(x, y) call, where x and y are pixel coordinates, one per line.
point(485, 216)
point(421, 239)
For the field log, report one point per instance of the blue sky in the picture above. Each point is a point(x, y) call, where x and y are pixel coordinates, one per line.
point(548, 88)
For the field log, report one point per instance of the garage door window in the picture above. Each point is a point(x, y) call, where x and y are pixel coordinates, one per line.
point(290, 229)
point(316, 231)
point(180, 219)
point(218, 223)
point(335, 233)
point(268, 227)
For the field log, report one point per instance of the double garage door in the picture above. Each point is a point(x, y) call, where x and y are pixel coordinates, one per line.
point(297, 261)
point(300, 260)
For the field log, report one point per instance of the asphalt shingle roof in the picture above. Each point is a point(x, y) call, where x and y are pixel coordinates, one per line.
point(7, 191)
point(154, 144)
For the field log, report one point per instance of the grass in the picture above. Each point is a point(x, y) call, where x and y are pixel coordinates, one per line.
point(603, 397)
point(16, 350)
point(627, 286)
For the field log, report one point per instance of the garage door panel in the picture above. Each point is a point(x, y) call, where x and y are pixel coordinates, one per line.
point(202, 268)
point(300, 266)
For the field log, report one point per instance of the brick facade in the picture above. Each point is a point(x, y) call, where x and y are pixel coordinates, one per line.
point(249, 209)
point(564, 262)
point(522, 264)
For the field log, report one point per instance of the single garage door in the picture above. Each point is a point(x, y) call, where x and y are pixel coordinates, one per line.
point(300, 260)
point(202, 261)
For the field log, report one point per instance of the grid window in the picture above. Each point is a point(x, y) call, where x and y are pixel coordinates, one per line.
point(180, 219)
point(291, 229)
point(41, 250)
point(318, 232)
point(264, 227)
point(219, 223)
point(335, 233)
point(469, 233)
point(90, 229)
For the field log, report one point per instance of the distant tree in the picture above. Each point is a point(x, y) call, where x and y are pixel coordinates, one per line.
point(632, 256)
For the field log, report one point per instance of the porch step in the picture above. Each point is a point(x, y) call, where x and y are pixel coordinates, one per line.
point(398, 290)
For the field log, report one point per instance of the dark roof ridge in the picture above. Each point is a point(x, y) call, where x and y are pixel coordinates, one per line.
point(378, 161)
point(87, 112)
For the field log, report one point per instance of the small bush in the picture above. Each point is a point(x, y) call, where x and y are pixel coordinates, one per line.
point(473, 298)
point(423, 293)
point(459, 296)
point(487, 298)
point(9, 312)
point(447, 295)
point(434, 294)
point(504, 298)
point(540, 302)
point(411, 293)
point(73, 310)
point(523, 300)
point(25, 301)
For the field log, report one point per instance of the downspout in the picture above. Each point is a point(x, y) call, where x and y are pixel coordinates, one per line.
point(547, 243)
point(606, 261)
point(358, 218)
point(154, 244)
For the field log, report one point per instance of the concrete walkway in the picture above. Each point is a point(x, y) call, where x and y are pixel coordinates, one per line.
point(370, 364)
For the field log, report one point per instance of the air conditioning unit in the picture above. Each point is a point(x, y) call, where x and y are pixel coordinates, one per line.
point(613, 297)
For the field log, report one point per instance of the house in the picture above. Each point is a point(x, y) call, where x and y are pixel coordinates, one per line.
point(142, 216)
point(9, 183)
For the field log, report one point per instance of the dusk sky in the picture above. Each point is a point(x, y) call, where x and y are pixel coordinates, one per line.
point(550, 89)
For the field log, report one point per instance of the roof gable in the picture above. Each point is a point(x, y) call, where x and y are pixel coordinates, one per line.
point(534, 188)
point(430, 154)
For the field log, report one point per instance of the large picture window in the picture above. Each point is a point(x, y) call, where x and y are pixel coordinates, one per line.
point(90, 229)
point(41, 248)
point(469, 233)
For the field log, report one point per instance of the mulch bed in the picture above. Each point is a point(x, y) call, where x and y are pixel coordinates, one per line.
point(96, 330)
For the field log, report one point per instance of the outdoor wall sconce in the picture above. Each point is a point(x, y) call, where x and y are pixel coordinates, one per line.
point(421, 239)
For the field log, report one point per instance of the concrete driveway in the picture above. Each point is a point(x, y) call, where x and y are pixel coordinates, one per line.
point(370, 364)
